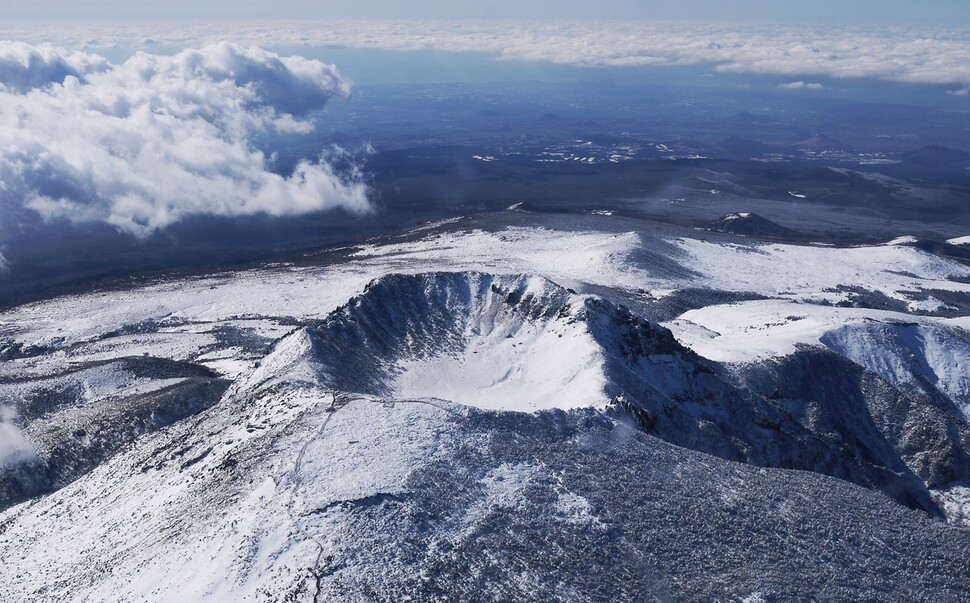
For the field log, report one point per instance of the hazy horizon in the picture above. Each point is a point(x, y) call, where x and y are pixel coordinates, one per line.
point(948, 12)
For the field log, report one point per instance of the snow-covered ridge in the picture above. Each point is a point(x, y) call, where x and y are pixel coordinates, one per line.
point(896, 273)
point(926, 353)
point(183, 313)
point(923, 355)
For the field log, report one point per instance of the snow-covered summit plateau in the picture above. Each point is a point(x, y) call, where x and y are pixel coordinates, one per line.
point(477, 411)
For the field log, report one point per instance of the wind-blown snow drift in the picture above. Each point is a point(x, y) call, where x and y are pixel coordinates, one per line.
point(148, 142)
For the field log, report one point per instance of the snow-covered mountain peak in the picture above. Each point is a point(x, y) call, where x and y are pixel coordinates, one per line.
point(496, 342)
point(511, 342)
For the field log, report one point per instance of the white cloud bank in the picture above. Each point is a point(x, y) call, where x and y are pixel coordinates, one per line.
point(905, 54)
point(14, 448)
point(800, 85)
point(145, 143)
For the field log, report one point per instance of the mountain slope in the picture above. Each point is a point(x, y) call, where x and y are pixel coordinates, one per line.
point(482, 418)
point(290, 492)
point(76, 420)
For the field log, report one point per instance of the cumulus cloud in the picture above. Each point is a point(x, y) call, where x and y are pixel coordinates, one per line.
point(800, 85)
point(960, 92)
point(14, 448)
point(907, 54)
point(24, 67)
point(143, 144)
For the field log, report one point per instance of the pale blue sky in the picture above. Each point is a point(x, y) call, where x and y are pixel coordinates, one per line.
point(951, 12)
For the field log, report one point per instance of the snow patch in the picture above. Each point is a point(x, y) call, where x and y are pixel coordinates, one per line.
point(955, 502)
